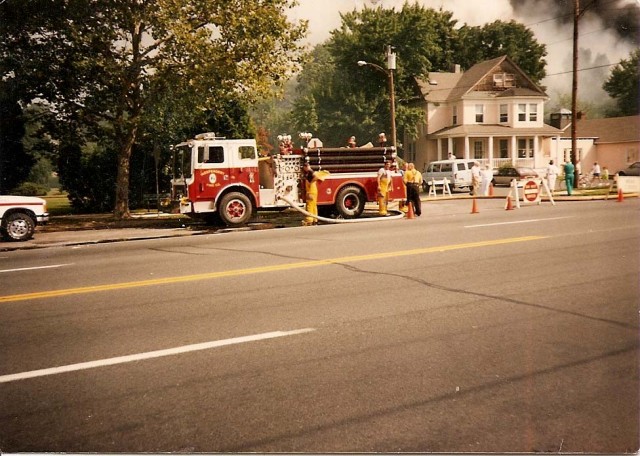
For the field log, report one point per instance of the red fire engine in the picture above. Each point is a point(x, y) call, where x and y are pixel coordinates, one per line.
point(226, 178)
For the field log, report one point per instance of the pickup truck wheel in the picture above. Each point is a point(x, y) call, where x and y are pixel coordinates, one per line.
point(350, 202)
point(235, 209)
point(18, 227)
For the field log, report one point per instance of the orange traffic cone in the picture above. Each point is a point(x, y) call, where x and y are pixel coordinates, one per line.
point(620, 196)
point(474, 207)
point(509, 206)
point(491, 189)
point(410, 214)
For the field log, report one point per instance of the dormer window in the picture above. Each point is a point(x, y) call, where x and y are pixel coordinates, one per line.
point(504, 80)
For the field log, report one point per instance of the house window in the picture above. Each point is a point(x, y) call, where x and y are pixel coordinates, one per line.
point(525, 148)
point(479, 113)
point(533, 112)
point(504, 80)
point(477, 150)
point(522, 148)
point(504, 148)
point(522, 112)
point(504, 113)
point(412, 152)
point(455, 115)
point(531, 149)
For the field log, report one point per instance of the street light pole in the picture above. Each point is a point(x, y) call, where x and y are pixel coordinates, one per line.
point(391, 65)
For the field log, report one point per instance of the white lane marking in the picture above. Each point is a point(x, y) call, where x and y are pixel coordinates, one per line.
point(517, 221)
point(35, 267)
point(149, 355)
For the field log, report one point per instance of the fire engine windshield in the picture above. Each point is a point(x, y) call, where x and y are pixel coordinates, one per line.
point(182, 161)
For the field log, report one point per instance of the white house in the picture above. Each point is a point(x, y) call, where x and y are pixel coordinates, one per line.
point(492, 112)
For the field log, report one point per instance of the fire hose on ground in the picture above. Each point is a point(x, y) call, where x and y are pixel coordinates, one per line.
point(339, 220)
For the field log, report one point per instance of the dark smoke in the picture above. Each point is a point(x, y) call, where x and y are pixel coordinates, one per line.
point(618, 16)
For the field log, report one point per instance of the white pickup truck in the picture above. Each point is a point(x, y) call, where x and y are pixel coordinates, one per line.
point(19, 216)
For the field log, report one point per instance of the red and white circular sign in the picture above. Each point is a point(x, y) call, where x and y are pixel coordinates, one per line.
point(531, 190)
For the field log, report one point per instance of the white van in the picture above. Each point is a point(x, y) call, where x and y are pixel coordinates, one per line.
point(458, 172)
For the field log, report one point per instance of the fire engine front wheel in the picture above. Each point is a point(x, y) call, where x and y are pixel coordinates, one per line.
point(350, 202)
point(235, 209)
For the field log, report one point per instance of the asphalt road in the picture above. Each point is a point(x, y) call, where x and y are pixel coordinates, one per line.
point(501, 331)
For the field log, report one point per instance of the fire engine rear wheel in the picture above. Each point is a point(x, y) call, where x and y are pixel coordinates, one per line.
point(350, 202)
point(235, 209)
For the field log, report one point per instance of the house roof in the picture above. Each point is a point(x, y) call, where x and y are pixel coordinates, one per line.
point(519, 92)
point(438, 87)
point(480, 130)
point(609, 130)
point(441, 87)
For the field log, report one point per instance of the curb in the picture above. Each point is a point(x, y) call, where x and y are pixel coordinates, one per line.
point(119, 236)
point(34, 244)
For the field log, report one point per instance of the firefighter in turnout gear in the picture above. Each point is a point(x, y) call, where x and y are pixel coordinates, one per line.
point(384, 187)
point(413, 180)
point(311, 179)
point(311, 194)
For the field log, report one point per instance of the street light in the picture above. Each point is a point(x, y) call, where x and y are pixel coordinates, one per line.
point(391, 65)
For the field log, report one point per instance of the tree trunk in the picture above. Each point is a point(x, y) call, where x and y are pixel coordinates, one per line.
point(121, 209)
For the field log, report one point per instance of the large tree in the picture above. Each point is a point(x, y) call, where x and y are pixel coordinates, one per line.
point(623, 85)
point(344, 99)
point(347, 99)
point(15, 163)
point(499, 38)
point(107, 65)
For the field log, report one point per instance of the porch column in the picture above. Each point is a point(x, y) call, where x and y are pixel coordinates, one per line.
point(490, 146)
point(466, 148)
point(514, 150)
point(536, 150)
point(439, 141)
point(450, 145)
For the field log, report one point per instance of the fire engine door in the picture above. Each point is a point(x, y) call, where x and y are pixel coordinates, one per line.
point(211, 171)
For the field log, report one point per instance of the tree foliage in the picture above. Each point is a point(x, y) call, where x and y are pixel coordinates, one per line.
point(15, 163)
point(344, 99)
point(499, 38)
point(623, 85)
point(121, 69)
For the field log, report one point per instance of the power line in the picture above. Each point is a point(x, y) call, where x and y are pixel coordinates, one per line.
point(562, 16)
point(581, 34)
point(585, 69)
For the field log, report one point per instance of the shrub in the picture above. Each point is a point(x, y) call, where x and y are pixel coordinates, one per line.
point(31, 189)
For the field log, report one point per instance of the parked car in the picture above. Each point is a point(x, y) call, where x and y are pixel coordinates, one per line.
point(19, 216)
point(506, 174)
point(458, 172)
point(632, 170)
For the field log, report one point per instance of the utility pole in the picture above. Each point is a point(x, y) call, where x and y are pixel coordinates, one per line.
point(574, 92)
point(391, 65)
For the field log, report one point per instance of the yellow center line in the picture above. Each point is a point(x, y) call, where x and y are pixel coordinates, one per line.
point(261, 269)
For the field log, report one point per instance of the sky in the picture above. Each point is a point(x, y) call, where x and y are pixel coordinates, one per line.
point(600, 44)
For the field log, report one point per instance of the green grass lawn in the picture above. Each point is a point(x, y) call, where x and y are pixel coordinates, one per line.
point(58, 203)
